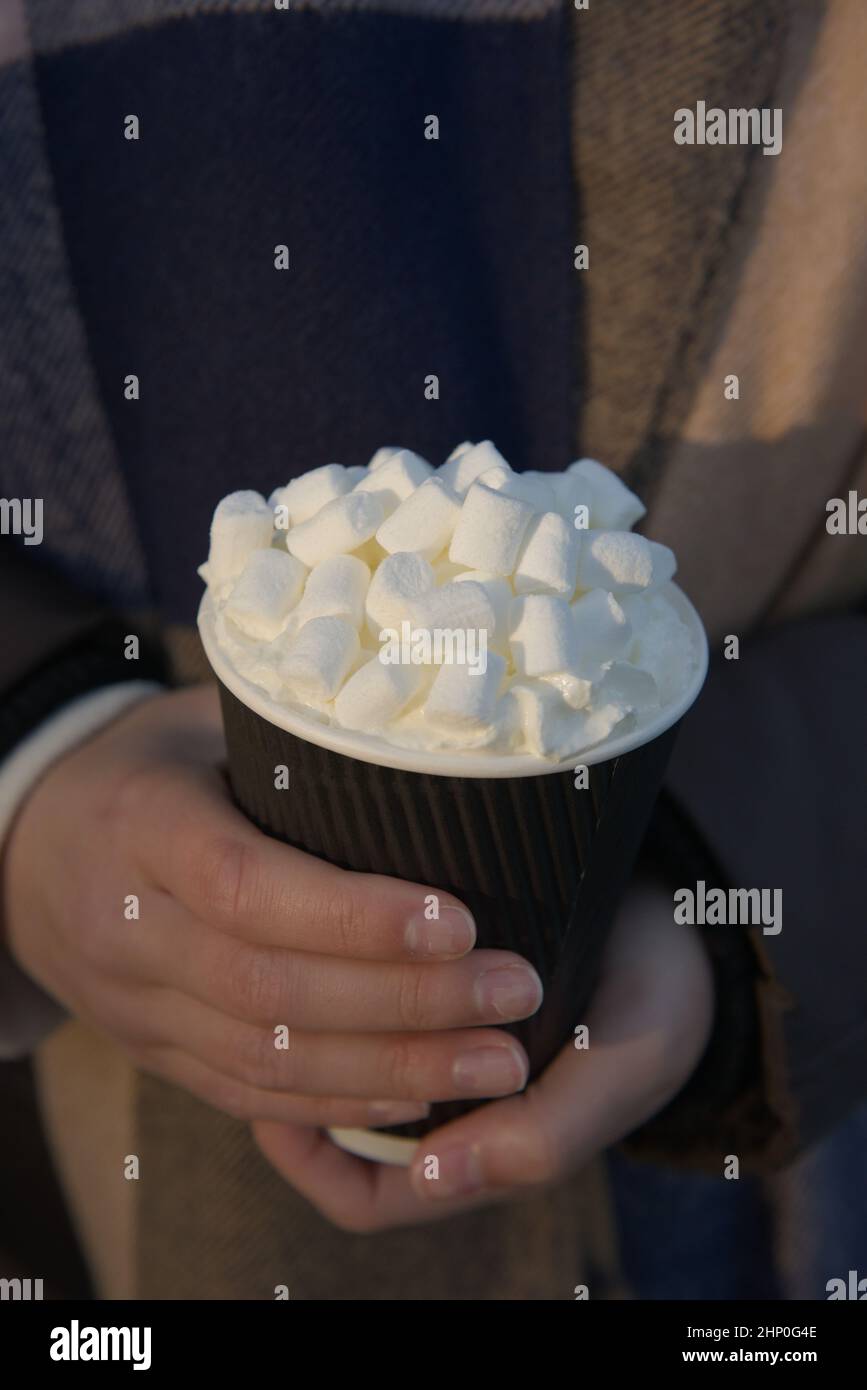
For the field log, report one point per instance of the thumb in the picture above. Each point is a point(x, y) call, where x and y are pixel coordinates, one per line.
point(647, 1028)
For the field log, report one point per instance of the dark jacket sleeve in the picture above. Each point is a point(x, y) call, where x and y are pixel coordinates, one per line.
point(766, 789)
point(56, 643)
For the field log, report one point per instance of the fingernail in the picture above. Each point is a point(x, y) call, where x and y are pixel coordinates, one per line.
point(397, 1112)
point(450, 934)
point(490, 1071)
point(456, 1173)
point(509, 991)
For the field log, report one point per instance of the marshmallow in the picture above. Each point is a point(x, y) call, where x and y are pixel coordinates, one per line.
point(499, 592)
point(303, 497)
point(602, 633)
point(570, 492)
point(612, 506)
point(445, 570)
point(462, 609)
point(663, 646)
point(631, 689)
point(243, 522)
point(538, 713)
point(335, 588)
point(489, 530)
point(340, 526)
point(467, 462)
point(320, 657)
point(382, 456)
point(529, 489)
point(616, 560)
point(375, 694)
point(457, 608)
point(424, 521)
point(398, 581)
point(575, 690)
point(542, 635)
point(548, 561)
point(267, 590)
point(395, 478)
point(256, 661)
point(552, 729)
point(664, 563)
point(463, 702)
point(600, 721)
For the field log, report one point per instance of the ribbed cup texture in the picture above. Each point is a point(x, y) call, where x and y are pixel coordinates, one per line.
point(539, 862)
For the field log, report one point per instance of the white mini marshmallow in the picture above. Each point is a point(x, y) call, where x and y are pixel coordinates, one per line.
point(463, 608)
point(663, 646)
point(424, 521)
point(242, 522)
point(542, 635)
point(336, 588)
point(598, 721)
point(463, 702)
point(395, 585)
point(553, 730)
point(355, 474)
point(664, 563)
point(615, 560)
point(395, 478)
point(534, 490)
point(538, 712)
point(602, 630)
point(489, 530)
point(612, 506)
point(457, 453)
point(382, 456)
point(375, 694)
point(572, 492)
point(257, 661)
point(631, 689)
point(575, 690)
point(499, 592)
point(467, 462)
point(340, 526)
point(320, 657)
point(265, 593)
point(303, 497)
point(637, 610)
point(548, 561)
point(445, 570)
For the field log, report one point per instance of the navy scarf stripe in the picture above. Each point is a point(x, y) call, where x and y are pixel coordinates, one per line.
point(408, 257)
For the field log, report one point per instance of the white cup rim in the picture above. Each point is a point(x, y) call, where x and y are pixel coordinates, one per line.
point(369, 748)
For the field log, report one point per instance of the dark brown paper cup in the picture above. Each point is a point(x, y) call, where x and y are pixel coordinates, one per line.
point(540, 861)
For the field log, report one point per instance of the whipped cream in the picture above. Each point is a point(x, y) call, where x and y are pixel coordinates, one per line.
point(465, 607)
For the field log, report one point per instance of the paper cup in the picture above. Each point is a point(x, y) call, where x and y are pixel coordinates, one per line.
point(540, 861)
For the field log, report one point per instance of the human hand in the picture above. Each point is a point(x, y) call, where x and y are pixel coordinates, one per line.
point(648, 1026)
point(238, 934)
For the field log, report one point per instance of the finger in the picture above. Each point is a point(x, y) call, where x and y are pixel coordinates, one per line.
point(264, 985)
point(355, 1195)
point(250, 1103)
point(460, 1064)
point(644, 1043)
point(199, 848)
point(648, 1026)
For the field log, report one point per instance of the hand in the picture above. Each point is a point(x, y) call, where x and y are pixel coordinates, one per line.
point(648, 1027)
point(238, 934)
